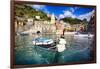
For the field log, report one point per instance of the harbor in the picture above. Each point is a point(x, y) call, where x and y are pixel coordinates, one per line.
point(52, 38)
point(76, 47)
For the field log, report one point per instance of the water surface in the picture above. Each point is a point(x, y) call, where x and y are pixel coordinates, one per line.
point(77, 50)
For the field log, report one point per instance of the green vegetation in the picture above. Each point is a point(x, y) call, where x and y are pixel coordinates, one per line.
point(72, 20)
point(26, 11)
point(76, 21)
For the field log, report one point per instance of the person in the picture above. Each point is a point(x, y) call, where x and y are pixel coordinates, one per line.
point(38, 32)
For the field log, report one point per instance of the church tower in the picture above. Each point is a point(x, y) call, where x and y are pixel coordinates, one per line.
point(52, 19)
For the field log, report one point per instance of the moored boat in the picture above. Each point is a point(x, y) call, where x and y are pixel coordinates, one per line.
point(42, 41)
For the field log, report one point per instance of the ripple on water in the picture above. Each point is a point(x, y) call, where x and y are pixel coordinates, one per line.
point(27, 53)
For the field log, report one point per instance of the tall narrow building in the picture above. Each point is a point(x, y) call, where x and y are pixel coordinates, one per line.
point(52, 19)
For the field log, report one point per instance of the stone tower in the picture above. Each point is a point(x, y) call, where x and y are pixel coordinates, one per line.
point(52, 19)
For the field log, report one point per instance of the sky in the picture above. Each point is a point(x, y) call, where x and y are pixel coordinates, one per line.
point(66, 11)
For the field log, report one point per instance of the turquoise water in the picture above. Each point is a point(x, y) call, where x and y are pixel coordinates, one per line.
point(77, 50)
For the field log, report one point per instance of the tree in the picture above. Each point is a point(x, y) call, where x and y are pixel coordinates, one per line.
point(26, 11)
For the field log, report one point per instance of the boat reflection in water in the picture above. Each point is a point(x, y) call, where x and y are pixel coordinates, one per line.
point(74, 49)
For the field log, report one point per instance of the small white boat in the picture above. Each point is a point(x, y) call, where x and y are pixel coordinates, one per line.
point(42, 41)
point(84, 35)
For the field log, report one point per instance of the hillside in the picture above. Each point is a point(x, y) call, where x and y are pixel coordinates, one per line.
point(26, 11)
point(73, 20)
